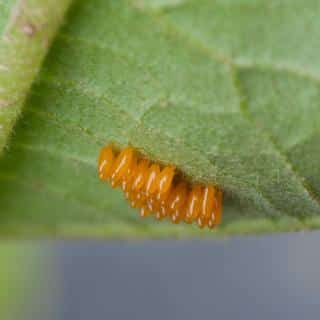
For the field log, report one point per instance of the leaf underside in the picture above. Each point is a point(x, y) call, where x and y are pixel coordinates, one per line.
point(226, 90)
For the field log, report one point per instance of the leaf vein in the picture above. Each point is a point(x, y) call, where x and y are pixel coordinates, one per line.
point(195, 44)
point(277, 149)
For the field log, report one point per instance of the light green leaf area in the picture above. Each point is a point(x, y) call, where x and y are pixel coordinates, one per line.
point(22, 279)
point(5, 6)
point(226, 90)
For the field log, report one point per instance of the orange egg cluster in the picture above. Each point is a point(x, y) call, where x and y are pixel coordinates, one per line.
point(159, 190)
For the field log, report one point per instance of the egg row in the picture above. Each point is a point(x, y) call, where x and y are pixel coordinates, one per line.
point(159, 189)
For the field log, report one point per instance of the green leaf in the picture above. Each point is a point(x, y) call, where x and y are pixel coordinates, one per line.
point(23, 277)
point(24, 43)
point(228, 91)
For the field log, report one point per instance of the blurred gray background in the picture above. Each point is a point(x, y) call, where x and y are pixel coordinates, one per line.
point(273, 277)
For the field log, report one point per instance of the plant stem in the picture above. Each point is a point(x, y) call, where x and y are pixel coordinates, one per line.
point(23, 47)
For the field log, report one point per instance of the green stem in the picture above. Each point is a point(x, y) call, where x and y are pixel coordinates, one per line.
point(23, 46)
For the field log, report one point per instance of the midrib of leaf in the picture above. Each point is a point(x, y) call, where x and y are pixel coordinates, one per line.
point(23, 46)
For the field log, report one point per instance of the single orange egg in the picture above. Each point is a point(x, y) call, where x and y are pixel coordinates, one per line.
point(164, 180)
point(140, 175)
point(194, 204)
point(121, 165)
point(178, 205)
point(151, 181)
point(105, 162)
